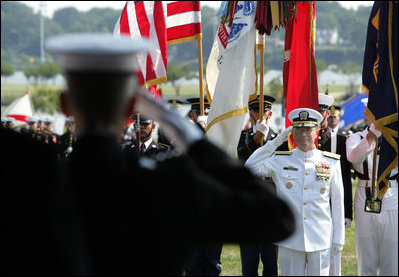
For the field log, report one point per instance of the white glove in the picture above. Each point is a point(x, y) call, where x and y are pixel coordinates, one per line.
point(262, 127)
point(348, 223)
point(282, 137)
point(374, 130)
point(336, 249)
point(202, 118)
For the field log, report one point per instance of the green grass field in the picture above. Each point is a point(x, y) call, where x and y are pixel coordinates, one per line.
point(231, 260)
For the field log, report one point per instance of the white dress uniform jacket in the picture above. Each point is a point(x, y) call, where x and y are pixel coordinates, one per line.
point(295, 174)
point(376, 235)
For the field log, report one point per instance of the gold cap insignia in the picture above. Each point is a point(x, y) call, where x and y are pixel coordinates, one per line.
point(303, 115)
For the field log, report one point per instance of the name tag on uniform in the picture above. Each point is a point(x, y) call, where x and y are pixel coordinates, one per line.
point(323, 171)
point(290, 168)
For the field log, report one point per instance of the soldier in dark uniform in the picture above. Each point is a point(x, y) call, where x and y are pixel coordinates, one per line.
point(250, 140)
point(148, 146)
point(334, 118)
point(336, 143)
point(50, 136)
point(33, 125)
point(140, 216)
point(67, 140)
point(194, 113)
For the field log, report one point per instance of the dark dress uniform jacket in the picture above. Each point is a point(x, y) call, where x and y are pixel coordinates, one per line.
point(247, 144)
point(139, 216)
point(325, 145)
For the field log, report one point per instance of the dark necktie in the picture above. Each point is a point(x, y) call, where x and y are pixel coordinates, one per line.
point(142, 148)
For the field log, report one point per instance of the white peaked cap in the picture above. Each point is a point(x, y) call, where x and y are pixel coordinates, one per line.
point(325, 100)
point(305, 117)
point(96, 52)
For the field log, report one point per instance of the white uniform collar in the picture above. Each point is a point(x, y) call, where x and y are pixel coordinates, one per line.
point(305, 154)
point(147, 143)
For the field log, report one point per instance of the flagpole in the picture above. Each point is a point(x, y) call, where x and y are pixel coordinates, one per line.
point(261, 64)
point(201, 75)
point(373, 174)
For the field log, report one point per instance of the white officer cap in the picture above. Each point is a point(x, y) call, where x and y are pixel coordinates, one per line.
point(325, 101)
point(365, 101)
point(96, 52)
point(305, 117)
point(32, 119)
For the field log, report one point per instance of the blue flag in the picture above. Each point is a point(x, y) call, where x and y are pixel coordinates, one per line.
point(380, 81)
point(353, 111)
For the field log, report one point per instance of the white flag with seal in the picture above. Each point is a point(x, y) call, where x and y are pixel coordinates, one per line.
point(235, 82)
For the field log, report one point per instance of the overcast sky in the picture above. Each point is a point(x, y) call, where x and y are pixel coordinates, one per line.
point(51, 6)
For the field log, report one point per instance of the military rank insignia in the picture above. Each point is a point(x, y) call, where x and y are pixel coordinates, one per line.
point(323, 171)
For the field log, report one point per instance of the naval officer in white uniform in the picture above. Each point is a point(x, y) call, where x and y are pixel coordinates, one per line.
point(310, 181)
point(376, 234)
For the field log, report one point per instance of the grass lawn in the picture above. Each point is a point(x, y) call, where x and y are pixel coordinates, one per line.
point(231, 260)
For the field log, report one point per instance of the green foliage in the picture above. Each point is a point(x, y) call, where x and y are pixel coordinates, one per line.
point(46, 99)
point(20, 36)
point(275, 89)
point(32, 72)
point(6, 69)
point(177, 71)
point(49, 70)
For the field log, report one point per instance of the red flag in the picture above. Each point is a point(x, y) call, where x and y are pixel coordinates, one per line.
point(300, 77)
point(183, 22)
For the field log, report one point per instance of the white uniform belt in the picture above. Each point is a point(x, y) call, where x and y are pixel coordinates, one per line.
point(392, 184)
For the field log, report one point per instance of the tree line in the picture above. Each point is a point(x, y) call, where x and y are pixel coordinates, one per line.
point(20, 35)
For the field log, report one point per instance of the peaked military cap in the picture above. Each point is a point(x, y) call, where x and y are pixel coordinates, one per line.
point(175, 102)
point(32, 119)
point(195, 104)
point(304, 117)
point(325, 101)
point(143, 119)
point(96, 52)
point(335, 110)
point(254, 104)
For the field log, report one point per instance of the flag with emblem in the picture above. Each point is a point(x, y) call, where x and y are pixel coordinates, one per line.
point(299, 69)
point(236, 78)
point(380, 82)
point(147, 19)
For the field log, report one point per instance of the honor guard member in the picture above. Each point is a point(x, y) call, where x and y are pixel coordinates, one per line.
point(194, 113)
point(376, 231)
point(51, 137)
point(250, 141)
point(336, 143)
point(334, 118)
point(67, 140)
point(148, 146)
point(310, 181)
point(10, 122)
point(175, 105)
point(33, 123)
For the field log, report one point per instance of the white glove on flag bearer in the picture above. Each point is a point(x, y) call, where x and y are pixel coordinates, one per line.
point(236, 77)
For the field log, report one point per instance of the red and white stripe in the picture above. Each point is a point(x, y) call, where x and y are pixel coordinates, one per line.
point(147, 19)
point(183, 21)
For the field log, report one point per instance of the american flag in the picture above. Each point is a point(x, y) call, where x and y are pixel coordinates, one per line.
point(163, 23)
point(183, 21)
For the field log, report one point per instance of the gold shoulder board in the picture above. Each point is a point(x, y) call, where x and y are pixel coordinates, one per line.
point(331, 155)
point(282, 152)
point(164, 145)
